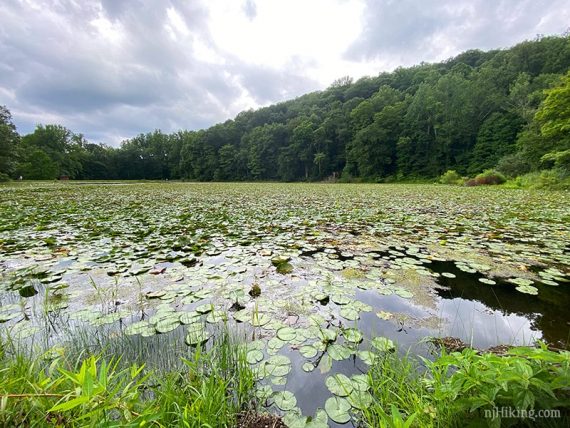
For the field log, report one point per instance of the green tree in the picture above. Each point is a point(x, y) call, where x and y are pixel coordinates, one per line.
point(39, 166)
point(9, 139)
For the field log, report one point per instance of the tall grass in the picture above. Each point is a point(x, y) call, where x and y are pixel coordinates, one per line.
point(210, 387)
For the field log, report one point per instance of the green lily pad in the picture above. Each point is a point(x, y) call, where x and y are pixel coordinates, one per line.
point(367, 357)
point(259, 319)
point(319, 420)
point(308, 367)
point(308, 351)
point(339, 385)
point(167, 325)
point(138, 328)
point(382, 344)
point(352, 335)
point(349, 313)
point(189, 317)
point(360, 382)
point(196, 335)
point(204, 308)
point(286, 334)
point(254, 356)
point(285, 400)
point(527, 289)
point(360, 399)
point(337, 409)
point(341, 299)
point(277, 365)
point(339, 352)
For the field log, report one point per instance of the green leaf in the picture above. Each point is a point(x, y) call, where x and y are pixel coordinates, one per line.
point(285, 400)
point(71, 404)
point(339, 352)
point(337, 408)
point(339, 385)
point(286, 334)
point(382, 344)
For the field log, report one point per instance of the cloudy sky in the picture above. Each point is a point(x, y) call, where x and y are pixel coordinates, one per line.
point(114, 68)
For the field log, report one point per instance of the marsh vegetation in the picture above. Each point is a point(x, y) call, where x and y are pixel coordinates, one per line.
point(322, 300)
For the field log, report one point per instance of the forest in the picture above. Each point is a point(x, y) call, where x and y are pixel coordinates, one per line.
point(505, 109)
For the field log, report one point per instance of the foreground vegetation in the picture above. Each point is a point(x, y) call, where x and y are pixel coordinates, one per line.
point(211, 388)
point(462, 389)
point(217, 388)
point(505, 109)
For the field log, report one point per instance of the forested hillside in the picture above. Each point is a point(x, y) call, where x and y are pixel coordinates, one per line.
point(505, 109)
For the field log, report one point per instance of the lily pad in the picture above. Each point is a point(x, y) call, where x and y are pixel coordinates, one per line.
point(339, 352)
point(254, 356)
point(337, 409)
point(196, 335)
point(286, 334)
point(382, 344)
point(352, 335)
point(285, 400)
point(339, 385)
point(308, 351)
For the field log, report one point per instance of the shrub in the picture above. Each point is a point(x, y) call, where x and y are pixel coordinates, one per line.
point(451, 177)
point(555, 179)
point(490, 177)
point(513, 165)
point(4, 177)
point(462, 388)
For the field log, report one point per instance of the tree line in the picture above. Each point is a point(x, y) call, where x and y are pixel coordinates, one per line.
point(505, 109)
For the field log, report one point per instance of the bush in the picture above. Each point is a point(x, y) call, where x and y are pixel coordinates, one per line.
point(489, 177)
point(555, 179)
point(462, 388)
point(4, 177)
point(451, 177)
point(513, 165)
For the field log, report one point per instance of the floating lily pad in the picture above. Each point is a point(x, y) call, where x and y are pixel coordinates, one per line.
point(204, 308)
point(349, 313)
point(308, 367)
point(337, 409)
point(360, 399)
point(189, 317)
point(196, 335)
point(308, 351)
point(259, 319)
point(254, 356)
point(360, 382)
point(382, 344)
point(339, 352)
point(527, 289)
point(286, 334)
point(277, 365)
point(352, 335)
point(385, 315)
point(285, 400)
point(367, 357)
point(339, 385)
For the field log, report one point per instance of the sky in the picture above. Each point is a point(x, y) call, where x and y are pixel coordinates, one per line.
point(111, 69)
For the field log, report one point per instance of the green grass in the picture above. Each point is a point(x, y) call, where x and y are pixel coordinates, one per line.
point(57, 389)
point(461, 389)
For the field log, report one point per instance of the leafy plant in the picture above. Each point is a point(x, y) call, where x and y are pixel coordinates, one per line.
point(450, 177)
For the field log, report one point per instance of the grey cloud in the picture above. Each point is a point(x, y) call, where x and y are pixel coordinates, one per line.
point(267, 85)
point(408, 31)
point(59, 70)
point(56, 68)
